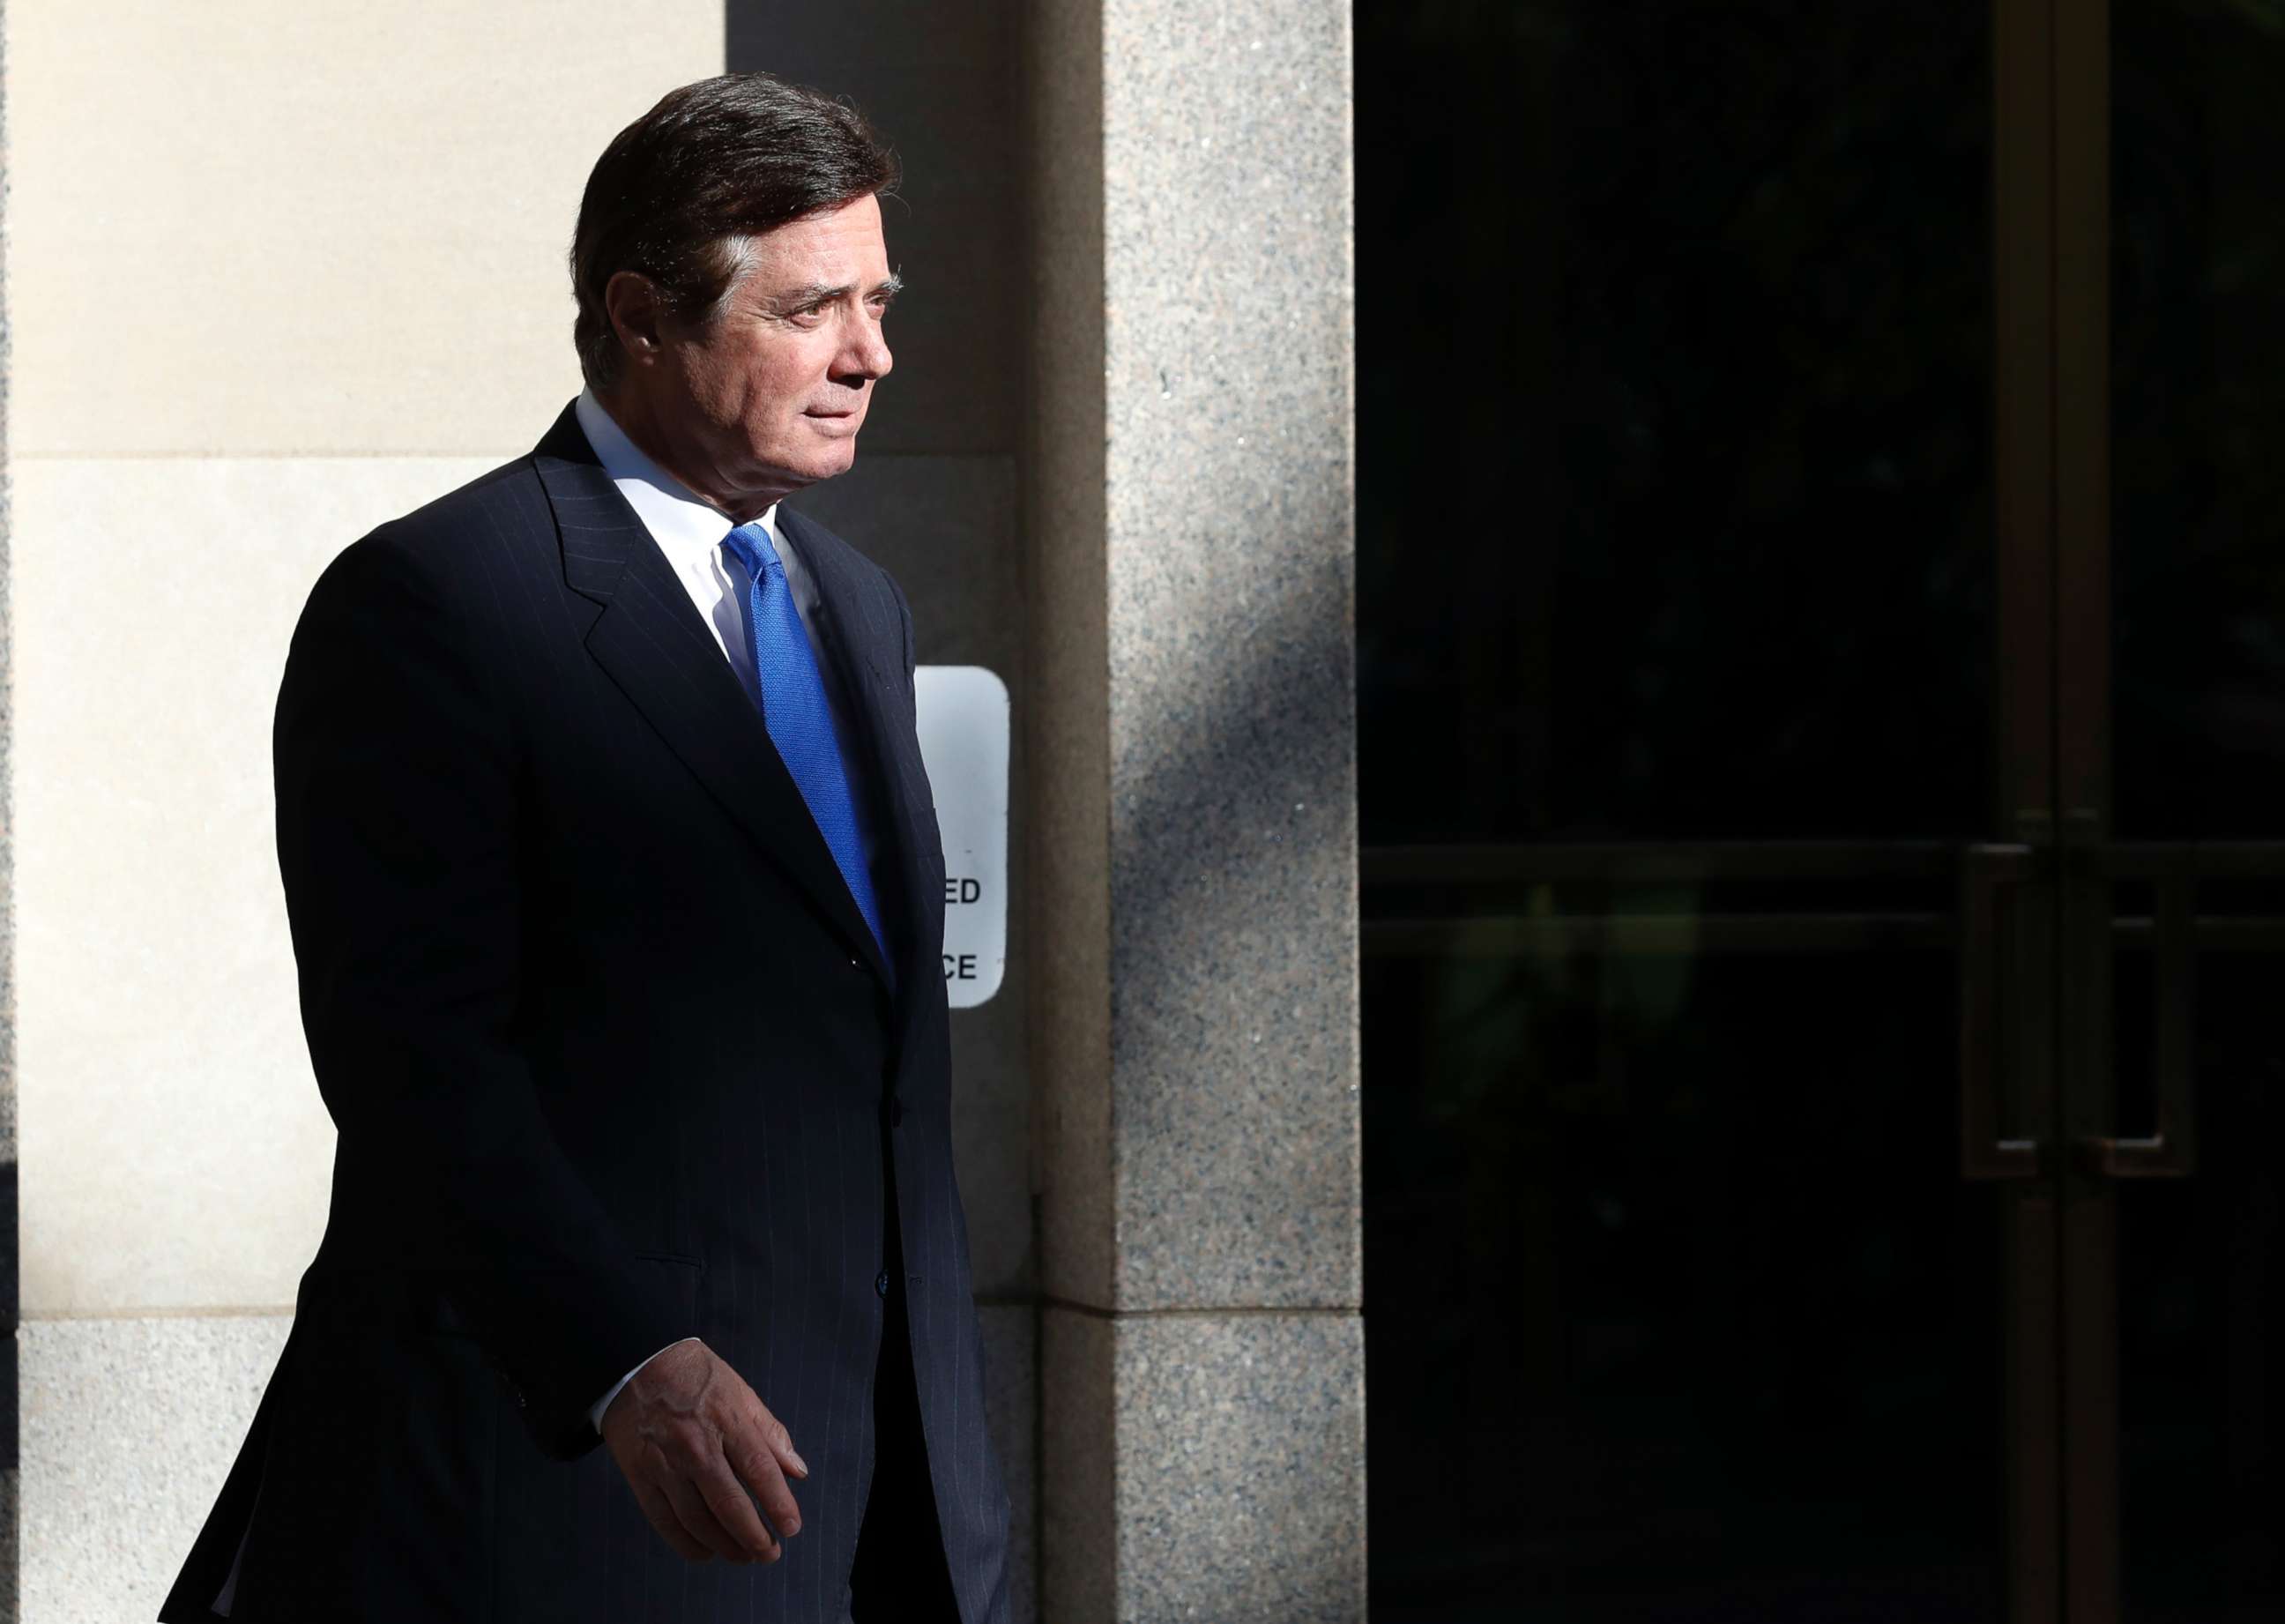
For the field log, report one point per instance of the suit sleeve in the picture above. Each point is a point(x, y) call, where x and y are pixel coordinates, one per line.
point(904, 616)
point(396, 818)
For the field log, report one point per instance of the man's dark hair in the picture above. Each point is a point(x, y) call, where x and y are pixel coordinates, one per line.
point(677, 192)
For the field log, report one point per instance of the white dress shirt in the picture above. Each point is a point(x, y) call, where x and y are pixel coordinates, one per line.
point(689, 533)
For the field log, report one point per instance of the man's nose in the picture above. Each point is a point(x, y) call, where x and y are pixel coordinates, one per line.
point(866, 355)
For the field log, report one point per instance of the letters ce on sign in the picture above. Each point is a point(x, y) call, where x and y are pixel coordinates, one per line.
point(962, 711)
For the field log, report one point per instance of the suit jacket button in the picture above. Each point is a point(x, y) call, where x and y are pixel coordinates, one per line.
point(881, 1283)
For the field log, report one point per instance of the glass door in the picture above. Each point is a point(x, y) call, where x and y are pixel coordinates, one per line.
point(2172, 605)
point(1821, 615)
point(1707, 646)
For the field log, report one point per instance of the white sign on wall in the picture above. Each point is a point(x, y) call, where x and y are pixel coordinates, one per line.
point(962, 710)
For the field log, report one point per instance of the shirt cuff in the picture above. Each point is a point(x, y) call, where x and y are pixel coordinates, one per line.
point(595, 1411)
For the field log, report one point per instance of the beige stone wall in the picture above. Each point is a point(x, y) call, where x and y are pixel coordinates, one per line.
point(274, 228)
point(278, 272)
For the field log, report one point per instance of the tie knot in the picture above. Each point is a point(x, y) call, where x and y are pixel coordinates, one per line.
point(751, 543)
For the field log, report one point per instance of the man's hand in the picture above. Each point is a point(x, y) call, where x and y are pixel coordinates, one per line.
point(692, 1439)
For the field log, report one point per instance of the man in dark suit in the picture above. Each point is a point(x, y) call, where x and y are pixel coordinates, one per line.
point(617, 902)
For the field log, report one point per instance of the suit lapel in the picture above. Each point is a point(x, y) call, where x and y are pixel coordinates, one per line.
point(865, 651)
point(651, 642)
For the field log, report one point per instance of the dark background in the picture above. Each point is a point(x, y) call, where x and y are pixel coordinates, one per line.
point(1676, 359)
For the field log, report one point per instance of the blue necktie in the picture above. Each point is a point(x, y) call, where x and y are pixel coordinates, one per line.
point(795, 710)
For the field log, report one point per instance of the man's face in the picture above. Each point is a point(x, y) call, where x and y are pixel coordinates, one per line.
point(770, 396)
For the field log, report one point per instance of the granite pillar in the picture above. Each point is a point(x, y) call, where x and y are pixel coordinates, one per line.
point(1192, 799)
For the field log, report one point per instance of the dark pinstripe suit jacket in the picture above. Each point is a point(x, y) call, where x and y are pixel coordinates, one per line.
point(609, 1046)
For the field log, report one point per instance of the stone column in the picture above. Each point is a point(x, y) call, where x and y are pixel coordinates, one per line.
point(1194, 1003)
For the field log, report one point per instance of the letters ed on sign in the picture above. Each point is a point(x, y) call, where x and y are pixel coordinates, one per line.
point(964, 731)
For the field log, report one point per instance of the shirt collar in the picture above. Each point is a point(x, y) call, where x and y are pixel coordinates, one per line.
point(685, 528)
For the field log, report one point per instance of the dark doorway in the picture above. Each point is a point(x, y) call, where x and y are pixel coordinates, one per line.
point(1817, 875)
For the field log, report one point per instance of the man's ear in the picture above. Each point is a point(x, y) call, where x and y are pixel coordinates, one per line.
point(632, 302)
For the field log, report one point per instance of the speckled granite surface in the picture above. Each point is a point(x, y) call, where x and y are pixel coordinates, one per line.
point(129, 1426)
point(1239, 1492)
point(1212, 1101)
point(1193, 796)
